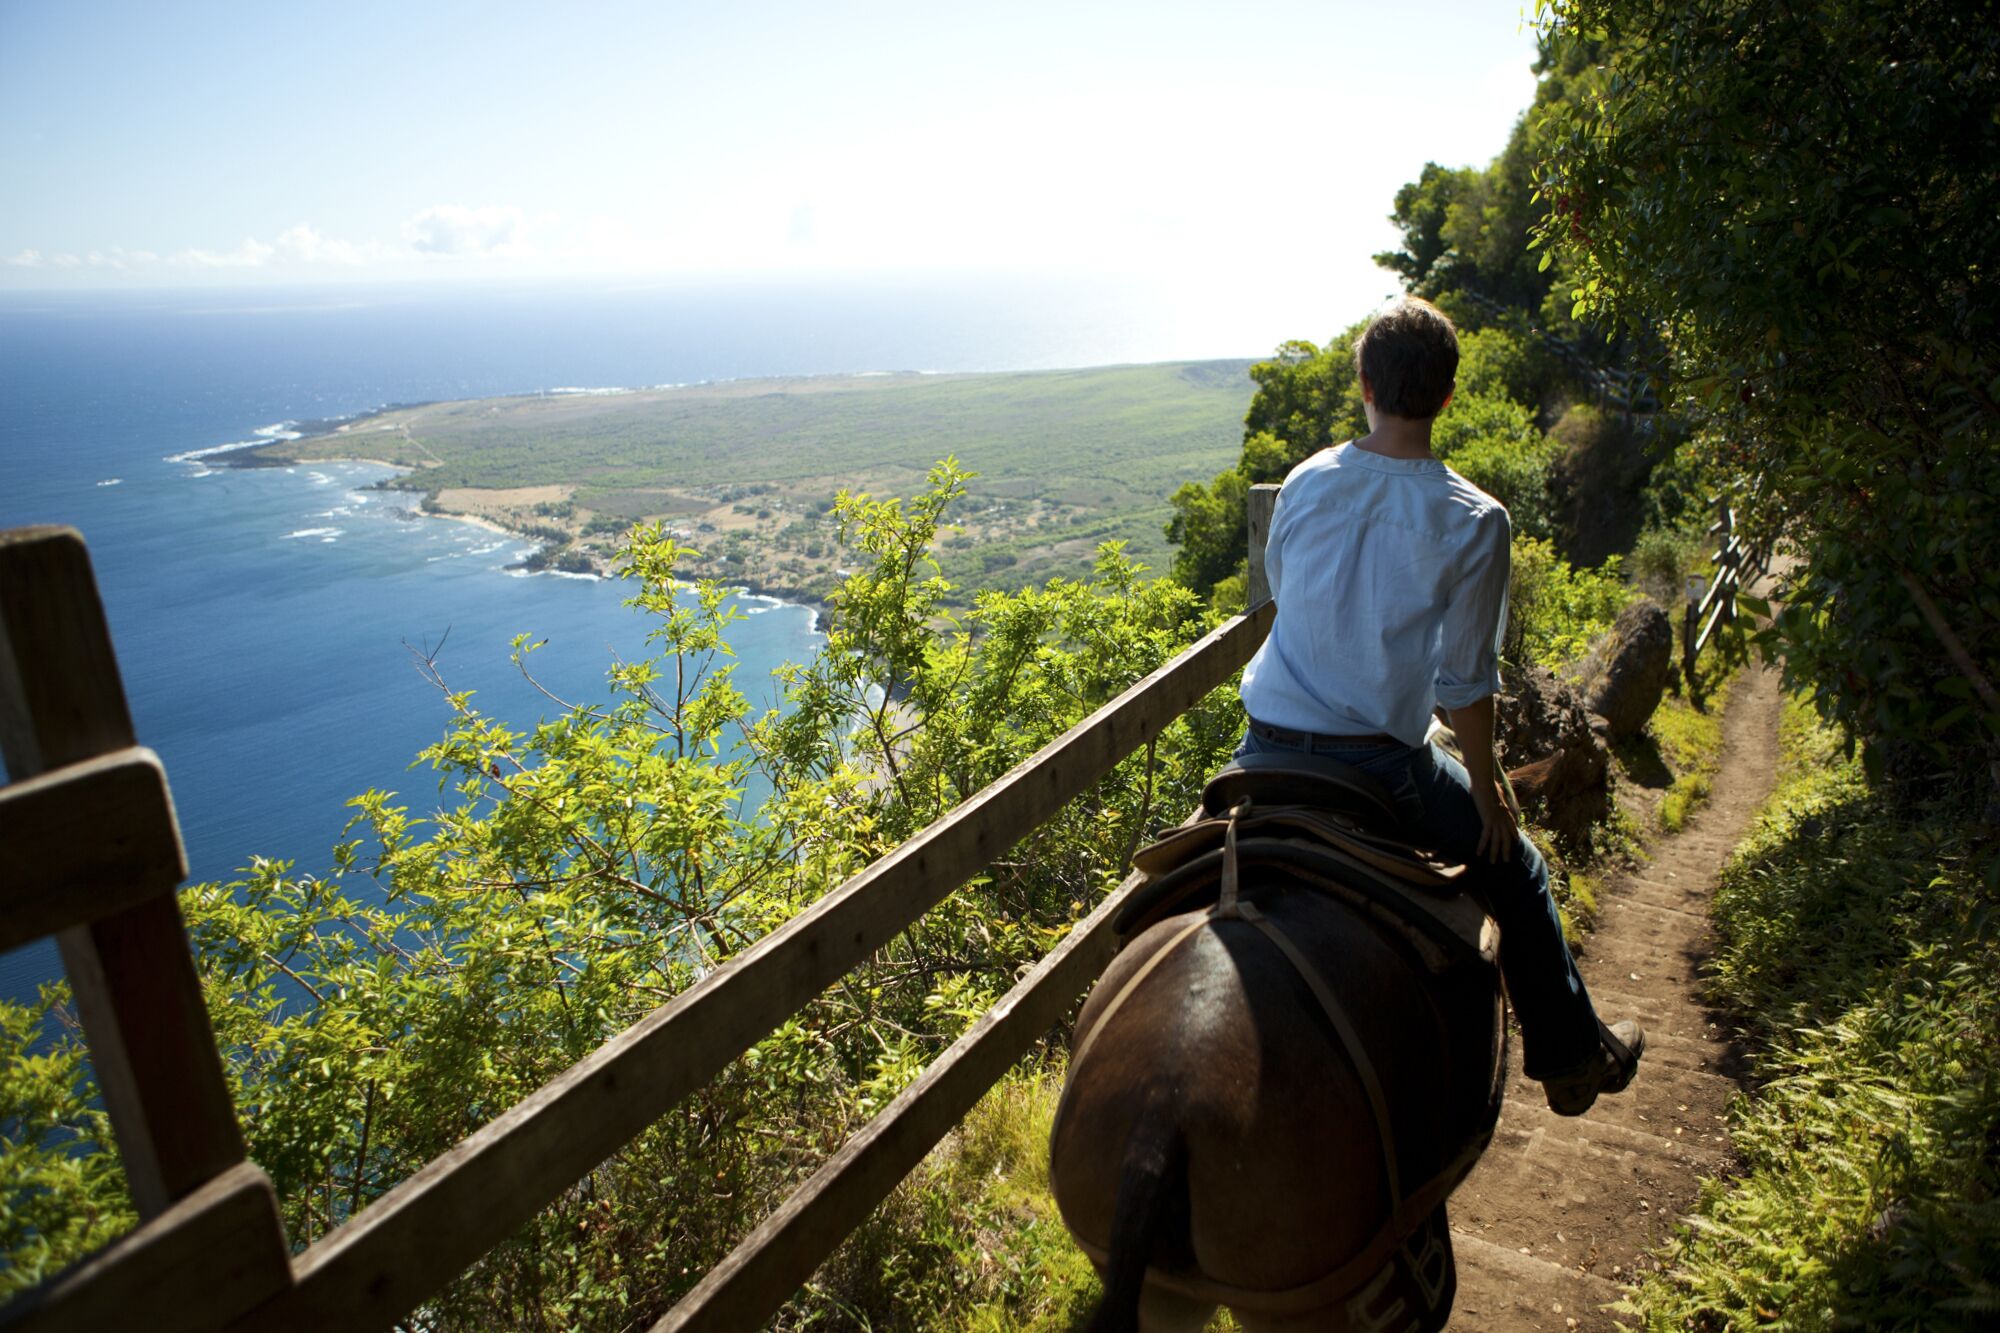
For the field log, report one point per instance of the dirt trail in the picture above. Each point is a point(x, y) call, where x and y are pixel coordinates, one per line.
point(1551, 1223)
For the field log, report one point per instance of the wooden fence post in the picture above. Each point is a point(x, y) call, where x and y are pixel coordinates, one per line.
point(1263, 503)
point(66, 734)
point(133, 977)
point(1689, 629)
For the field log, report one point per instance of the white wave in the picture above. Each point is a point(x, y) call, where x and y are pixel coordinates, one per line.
point(282, 431)
point(567, 574)
point(589, 393)
point(196, 455)
point(205, 472)
point(111, 481)
point(320, 479)
point(324, 534)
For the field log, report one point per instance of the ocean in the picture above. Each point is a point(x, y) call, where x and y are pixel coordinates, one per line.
point(265, 619)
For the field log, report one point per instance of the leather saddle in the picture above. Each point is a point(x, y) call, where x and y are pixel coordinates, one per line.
point(1316, 821)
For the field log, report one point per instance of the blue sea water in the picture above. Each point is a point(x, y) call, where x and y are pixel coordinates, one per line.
point(262, 617)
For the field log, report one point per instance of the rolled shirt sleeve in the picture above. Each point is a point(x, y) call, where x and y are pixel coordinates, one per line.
point(1476, 617)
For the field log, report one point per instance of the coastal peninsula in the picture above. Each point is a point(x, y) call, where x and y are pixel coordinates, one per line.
point(745, 471)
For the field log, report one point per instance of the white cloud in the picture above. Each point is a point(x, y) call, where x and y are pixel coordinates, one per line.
point(499, 232)
point(252, 253)
point(305, 244)
point(26, 259)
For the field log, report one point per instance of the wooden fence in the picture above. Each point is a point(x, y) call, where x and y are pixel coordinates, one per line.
point(89, 849)
point(1732, 558)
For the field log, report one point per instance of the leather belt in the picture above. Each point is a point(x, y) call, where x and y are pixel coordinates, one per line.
point(1263, 731)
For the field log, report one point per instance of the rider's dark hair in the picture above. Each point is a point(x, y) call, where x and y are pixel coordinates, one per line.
point(1409, 353)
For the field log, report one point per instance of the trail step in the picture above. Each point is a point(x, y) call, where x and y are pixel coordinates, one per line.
point(1501, 1288)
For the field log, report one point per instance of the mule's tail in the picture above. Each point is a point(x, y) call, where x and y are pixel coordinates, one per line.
point(1152, 1199)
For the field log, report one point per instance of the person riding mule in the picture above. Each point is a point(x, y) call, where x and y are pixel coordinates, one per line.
point(1390, 575)
point(1292, 1062)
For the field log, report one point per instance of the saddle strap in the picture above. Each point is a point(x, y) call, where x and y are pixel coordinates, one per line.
point(1226, 906)
point(1111, 1010)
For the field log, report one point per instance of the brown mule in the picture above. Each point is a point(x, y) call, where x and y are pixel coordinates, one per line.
point(1295, 1058)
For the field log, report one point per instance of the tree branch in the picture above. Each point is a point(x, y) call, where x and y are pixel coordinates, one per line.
point(1954, 647)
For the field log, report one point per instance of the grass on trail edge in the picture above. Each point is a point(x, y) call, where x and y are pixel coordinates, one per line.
point(971, 1241)
point(1690, 742)
point(1860, 941)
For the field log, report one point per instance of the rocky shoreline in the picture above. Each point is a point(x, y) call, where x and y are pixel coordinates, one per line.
point(570, 557)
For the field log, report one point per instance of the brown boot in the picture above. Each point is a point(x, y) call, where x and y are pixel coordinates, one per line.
point(1574, 1090)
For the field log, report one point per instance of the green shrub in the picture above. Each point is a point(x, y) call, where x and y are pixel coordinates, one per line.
point(1471, 417)
point(1556, 609)
point(1661, 561)
point(1517, 475)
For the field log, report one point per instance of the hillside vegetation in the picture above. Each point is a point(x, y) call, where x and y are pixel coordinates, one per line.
point(745, 472)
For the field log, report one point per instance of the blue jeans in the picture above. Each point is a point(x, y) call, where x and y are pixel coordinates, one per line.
point(1434, 794)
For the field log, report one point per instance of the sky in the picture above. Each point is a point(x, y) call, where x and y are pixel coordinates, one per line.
point(188, 145)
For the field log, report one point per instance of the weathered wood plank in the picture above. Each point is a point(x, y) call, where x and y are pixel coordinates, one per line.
point(211, 1256)
point(84, 841)
point(140, 1001)
point(61, 703)
point(773, 1261)
point(1263, 504)
point(427, 1230)
point(60, 697)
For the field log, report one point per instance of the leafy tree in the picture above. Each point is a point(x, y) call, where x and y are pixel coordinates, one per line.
point(1468, 228)
point(1423, 208)
point(1802, 200)
point(64, 1194)
point(1208, 528)
point(584, 870)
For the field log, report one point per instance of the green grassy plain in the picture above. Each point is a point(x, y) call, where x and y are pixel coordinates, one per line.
point(1066, 459)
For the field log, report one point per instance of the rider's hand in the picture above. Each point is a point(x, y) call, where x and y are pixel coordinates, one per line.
point(1498, 830)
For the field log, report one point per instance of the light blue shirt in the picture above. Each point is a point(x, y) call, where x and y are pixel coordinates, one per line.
point(1390, 576)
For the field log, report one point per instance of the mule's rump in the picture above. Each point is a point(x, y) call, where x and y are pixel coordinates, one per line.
point(1317, 1076)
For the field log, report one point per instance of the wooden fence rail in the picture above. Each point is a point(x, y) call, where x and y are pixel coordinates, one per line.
point(214, 1216)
